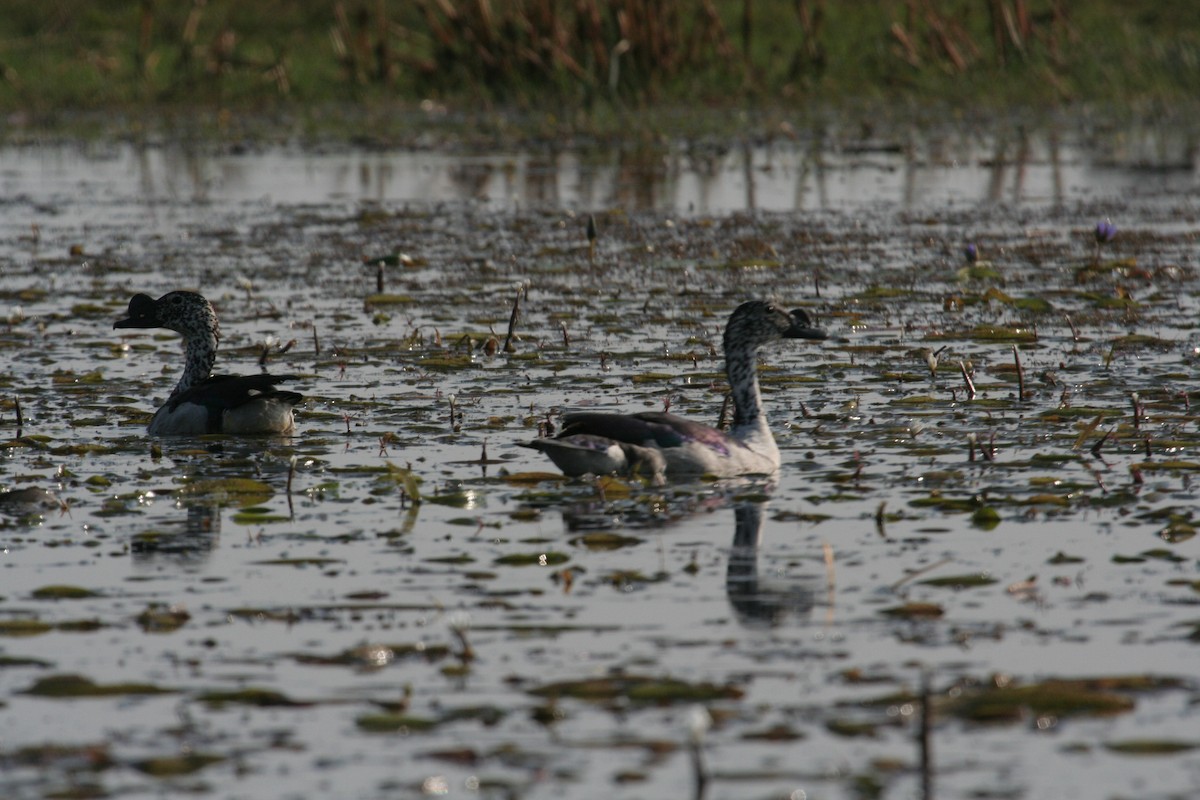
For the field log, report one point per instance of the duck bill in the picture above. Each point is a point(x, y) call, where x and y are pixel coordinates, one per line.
point(802, 327)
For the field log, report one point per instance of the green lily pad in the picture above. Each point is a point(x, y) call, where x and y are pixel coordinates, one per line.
point(79, 686)
point(240, 492)
point(543, 559)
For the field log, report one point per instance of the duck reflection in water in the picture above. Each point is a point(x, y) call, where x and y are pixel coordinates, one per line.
point(758, 601)
point(761, 601)
point(190, 546)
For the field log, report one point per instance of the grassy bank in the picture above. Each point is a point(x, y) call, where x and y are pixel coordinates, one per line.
point(587, 62)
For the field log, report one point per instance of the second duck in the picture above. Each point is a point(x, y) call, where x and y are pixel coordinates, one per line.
point(597, 442)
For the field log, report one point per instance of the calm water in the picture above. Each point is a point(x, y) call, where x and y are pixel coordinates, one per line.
point(346, 600)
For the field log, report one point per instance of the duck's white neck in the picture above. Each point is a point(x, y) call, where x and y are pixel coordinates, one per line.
point(200, 353)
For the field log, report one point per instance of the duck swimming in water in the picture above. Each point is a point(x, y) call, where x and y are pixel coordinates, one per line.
point(599, 443)
point(202, 402)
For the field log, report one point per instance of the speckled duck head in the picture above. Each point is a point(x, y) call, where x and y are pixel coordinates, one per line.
point(752, 325)
point(188, 314)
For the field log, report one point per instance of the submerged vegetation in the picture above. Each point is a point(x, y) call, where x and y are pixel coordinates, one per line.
point(584, 62)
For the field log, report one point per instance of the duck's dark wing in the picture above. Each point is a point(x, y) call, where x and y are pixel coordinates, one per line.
point(650, 427)
point(221, 393)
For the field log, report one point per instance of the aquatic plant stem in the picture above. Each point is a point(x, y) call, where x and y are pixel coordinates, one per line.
point(1020, 374)
point(967, 380)
point(925, 739)
point(512, 324)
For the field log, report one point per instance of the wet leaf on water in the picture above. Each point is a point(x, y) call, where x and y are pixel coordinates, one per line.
point(299, 562)
point(652, 377)
point(986, 518)
point(71, 378)
point(960, 581)
point(533, 478)
point(914, 611)
point(395, 723)
point(1176, 465)
point(390, 299)
point(602, 541)
point(63, 592)
point(18, 661)
point(1177, 532)
point(544, 559)
point(1062, 558)
point(775, 733)
point(453, 499)
point(240, 492)
point(642, 689)
point(1000, 333)
point(258, 516)
point(79, 686)
point(174, 766)
point(251, 696)
point(363, 657)
point(448, 362)
point(1151, 747)
point(852, 729)
point(1062, 698)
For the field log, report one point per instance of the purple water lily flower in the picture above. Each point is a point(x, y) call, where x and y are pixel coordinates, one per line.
point(971, 253)
point(1105, 232)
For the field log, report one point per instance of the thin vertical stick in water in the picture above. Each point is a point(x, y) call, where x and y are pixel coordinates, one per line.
point(925, 742)
point(512, 324)
point(1020, 375)
point(967, 379)
point(316, 341)
point(20, 419)
point(591, 237)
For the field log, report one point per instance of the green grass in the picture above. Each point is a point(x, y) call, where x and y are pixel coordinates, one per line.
point(551, 60)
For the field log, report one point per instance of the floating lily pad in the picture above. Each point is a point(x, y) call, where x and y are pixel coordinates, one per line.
point(961, 581)
point(79, 686)
point(1062, 698)
point(63, 592)
point(240, 492)
point(395, 723)
point(174, 766)
point(604, 540)
point(262, 698)
point(544, 559)
point(1151, 747)
point(914, 611)
point(641, 689)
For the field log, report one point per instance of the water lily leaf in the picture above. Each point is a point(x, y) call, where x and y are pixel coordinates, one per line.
point(640, 689)
point(174, 766)
point(262, 698)
point(1150, 747)
point(914, 611)
point(79, 686)
point(603, 540)
point(542, 559)
point(395, 723)
point(1061, 698)
point(63, 592)
point(240, 492)
point(961, 581)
